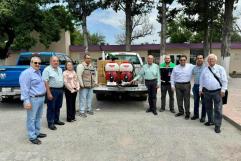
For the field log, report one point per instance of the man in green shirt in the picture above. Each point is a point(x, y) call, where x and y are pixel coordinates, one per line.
point(151, 74)
point(166, 71)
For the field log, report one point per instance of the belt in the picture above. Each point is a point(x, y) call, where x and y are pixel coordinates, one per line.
point(56, 88)
point(40, 95)
point(182, 82)
point(150, 80)
point(211, 91)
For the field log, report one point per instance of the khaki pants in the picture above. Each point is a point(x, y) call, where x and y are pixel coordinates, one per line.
point(183, 95)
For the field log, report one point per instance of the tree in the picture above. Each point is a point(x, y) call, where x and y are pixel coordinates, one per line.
point(141, 27)
point(162, 19)
point(81, 9)
point(77, 38)
point(18, 20)
point(226, 33)
point(131, 9)
point(201, 15)
point(178, 32)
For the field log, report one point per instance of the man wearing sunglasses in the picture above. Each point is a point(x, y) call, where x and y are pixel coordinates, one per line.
point(33, 93)
point(54, 82)
point(180, 81)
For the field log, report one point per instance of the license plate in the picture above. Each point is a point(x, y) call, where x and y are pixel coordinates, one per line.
point(6, 89)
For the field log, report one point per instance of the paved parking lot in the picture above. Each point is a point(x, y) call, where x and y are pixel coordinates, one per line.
point(119, 131)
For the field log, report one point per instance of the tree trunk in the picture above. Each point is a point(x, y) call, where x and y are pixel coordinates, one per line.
point(4, 51)
point(226, 33)
point(85, 33)
point(206, 43)
point(163, 30)
point(128, 25)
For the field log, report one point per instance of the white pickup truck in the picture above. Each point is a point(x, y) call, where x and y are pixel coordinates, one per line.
point(139, 90)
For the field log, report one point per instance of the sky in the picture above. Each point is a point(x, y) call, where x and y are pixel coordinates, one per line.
point(108, 23)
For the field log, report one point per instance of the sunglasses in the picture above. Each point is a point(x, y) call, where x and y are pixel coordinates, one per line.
point(39, 63)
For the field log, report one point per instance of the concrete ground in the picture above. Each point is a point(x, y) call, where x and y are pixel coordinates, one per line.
point(119, 131)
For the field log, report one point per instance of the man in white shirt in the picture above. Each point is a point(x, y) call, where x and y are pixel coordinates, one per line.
point(180, 81)
point(213, 90)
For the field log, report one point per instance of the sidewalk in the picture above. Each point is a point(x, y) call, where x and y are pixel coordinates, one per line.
point(232, 111)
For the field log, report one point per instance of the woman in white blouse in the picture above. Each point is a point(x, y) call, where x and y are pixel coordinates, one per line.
point(71, 87)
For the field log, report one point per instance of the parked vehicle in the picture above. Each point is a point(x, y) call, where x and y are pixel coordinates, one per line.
point(9, 75)
point(114, 76)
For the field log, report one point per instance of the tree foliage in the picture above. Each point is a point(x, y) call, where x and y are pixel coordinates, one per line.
point(131, 8)
point(77, 38)
point(20, 18)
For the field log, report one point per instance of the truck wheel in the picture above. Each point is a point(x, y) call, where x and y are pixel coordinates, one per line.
point(99, 96)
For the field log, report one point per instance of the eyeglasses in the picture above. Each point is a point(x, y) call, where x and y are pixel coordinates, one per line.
point(39, 63)
point(182, 59)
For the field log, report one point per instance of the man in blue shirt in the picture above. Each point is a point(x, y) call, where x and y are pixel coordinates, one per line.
point(33, 94)
point(197, 70)
point(151, 74)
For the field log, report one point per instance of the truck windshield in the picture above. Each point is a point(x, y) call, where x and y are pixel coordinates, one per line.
point(131, 58)
point(25, 59)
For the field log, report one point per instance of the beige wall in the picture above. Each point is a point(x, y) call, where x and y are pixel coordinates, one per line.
point(235, 61)
point(61, 46)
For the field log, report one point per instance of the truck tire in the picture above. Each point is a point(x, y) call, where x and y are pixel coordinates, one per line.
point(100, 96)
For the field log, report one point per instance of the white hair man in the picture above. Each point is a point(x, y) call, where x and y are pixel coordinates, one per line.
point(213, 84)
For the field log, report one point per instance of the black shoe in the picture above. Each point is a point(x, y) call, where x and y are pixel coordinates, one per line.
point(148, 110)
point(172, 111)
point(35, 141)
point(217, 129)
point(41, 135)
point(194, 118)
point(202, 120)
point(162, 110)
point(187, 117)
point(52, 127)
point(209, 124)
point(59, 123)
point(179, 114)
point(154, 112)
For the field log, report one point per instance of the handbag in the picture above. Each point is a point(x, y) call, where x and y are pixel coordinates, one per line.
point(225, 98)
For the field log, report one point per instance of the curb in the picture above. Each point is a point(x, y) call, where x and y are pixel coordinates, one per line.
point(228, 119)
point(235, 124)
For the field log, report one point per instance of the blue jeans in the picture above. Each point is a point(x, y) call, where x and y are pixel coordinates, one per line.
point(53, 110)
point(34, 117)
point(85, 99)
point(196, 96)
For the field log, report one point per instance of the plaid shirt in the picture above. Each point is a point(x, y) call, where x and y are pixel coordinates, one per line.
point(197, 70)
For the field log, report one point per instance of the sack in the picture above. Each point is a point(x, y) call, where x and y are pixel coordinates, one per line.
point(225, 98)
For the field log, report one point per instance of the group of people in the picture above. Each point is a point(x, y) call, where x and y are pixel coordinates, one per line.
point(50, 87)
point(210, 84)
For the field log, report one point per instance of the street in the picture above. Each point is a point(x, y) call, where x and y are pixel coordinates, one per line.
point(119, 131)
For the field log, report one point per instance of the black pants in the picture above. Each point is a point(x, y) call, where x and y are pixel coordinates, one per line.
point(183, 95)
point(53, 110)
point(70, 102)
point(164, 89)
point(152, 91)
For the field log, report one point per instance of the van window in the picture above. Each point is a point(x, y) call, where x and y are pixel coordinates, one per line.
point(25, 59)
point(131, 58)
